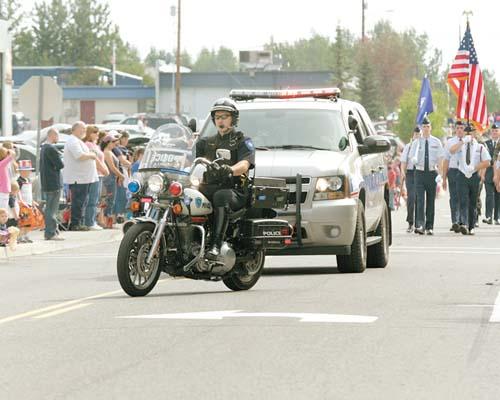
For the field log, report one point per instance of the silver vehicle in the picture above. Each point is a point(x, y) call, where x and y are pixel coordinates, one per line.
point(328, 151)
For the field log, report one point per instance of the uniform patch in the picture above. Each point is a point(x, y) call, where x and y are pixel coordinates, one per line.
point(249, 144)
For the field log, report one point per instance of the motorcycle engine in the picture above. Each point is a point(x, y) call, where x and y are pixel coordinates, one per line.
point(224, 263)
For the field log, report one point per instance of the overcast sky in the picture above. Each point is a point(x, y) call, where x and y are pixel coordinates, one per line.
point(249, 24)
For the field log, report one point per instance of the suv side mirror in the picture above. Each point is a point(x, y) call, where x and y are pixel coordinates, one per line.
point(353, 123)
point(192, 124)
point(374, 144)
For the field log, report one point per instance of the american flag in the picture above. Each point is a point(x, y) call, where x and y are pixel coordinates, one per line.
point(466, 80)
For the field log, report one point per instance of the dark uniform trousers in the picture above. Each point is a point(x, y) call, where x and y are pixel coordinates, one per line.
point(454, 196)
point(468, 192)
point(426, 196)
point(492, 196)
point(411, 192)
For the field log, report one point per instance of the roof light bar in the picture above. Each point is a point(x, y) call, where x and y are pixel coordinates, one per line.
point(324, 93)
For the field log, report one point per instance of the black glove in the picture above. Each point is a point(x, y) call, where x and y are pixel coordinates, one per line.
point(225, 172)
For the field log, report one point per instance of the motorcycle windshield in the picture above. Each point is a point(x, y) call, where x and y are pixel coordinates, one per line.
point(168, 151)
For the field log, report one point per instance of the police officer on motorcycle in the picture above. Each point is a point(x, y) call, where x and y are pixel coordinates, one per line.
point(231, 178)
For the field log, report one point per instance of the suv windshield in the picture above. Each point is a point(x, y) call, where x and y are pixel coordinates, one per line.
point(290, 128)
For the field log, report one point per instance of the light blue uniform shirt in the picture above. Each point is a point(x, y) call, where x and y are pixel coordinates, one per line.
point(452, 158)
point(436, 152)
point(405, 155)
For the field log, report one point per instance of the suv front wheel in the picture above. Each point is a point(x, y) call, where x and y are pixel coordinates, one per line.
point(356, 261)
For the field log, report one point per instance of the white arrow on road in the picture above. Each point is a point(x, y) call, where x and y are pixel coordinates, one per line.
point(304, 317)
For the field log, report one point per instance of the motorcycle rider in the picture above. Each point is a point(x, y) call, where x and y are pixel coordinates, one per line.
point(231, 178)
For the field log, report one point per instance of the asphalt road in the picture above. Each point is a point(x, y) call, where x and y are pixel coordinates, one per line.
point(425, 327)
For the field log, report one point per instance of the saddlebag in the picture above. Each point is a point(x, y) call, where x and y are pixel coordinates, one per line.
point(269, 193)
point(266, 233)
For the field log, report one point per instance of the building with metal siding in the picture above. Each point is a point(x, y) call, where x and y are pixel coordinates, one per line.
point(199, 90)
point(63, 74)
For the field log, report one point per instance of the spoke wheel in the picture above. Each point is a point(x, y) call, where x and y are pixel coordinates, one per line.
point(251, 272)
point(136, 276)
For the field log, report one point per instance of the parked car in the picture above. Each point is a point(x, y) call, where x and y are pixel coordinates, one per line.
point(114, 118)
point(153, 121)
point(327, 150)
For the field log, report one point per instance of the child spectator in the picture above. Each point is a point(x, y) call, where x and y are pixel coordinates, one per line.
point(25, 193)
point(138, 154)
point(13, 210)
point(8, 234)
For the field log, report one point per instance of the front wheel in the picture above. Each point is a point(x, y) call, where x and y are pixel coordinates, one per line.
point(136, 276)
point(248, 273)
point(356, 261)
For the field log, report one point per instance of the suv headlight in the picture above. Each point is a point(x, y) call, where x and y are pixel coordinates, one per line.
point(155, 183)
point(329, 188)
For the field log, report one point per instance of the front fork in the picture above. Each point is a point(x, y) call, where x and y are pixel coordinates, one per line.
point(157, 234)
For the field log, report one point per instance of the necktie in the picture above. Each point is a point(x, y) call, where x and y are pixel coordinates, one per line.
point(426, 156)
point(467, 154)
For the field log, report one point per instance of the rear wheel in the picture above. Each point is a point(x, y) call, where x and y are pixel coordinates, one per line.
point(136, 276)
point(249, 275)
point(378, 254)
point(356, 261)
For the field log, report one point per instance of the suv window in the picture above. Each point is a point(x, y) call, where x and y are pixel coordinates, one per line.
point(277, 128)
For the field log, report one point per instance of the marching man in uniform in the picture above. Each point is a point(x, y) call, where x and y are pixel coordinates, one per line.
point(450, 172)
point(408, 172)
point(472, 157)
point(427, 157)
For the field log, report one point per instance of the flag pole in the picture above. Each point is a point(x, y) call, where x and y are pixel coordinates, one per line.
point(467, 13)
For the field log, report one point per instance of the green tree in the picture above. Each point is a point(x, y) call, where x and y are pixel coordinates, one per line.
point(205, 62)
point(155, 54)
point(50, 33)
point(492, 91)
point(408, 111)
point(343, 61)
point(12, 12)
point(221, 61)
point(368, 91)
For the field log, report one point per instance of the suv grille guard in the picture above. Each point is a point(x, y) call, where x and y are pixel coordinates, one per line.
point(298, 215)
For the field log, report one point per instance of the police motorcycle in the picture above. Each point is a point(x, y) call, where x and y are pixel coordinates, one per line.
point(174, 230)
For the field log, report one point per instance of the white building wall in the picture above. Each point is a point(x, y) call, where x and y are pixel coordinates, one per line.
point(103, 107)
point(6, 79)
point(195, 102)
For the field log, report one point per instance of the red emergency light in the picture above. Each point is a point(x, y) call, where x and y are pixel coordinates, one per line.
point(322, 93)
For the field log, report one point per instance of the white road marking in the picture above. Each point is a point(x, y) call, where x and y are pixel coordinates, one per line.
point(304, 317)
point(451, 251)
point(63, 310)
point(495, 315)
point(445, 248)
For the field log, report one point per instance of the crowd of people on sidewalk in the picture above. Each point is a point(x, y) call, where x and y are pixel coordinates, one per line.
point(463, 165)
point(90, 178)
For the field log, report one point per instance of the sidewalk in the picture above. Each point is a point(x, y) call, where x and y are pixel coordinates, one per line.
point(73, 240)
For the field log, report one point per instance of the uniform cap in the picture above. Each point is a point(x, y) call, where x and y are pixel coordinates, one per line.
point(495, 126)
point(426, 121)
point(416, 130)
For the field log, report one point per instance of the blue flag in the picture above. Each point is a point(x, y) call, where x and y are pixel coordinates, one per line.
point(424, 104)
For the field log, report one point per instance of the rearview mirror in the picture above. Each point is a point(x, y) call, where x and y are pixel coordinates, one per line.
point(343, 143)
point(225, 154)
point(374, 144)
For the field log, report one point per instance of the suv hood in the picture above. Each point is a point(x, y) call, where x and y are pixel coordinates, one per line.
point(286, 163)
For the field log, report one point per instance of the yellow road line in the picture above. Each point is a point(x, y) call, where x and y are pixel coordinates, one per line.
point(61, 305)
point(63, 310)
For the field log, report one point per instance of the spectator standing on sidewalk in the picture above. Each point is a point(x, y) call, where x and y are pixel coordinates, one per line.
point(79, 172)
point(138, 154)
point(51, 181)
point(114, 179)
point(90, 141)
point(13, 165)
point(122, 153)
point(6, 158)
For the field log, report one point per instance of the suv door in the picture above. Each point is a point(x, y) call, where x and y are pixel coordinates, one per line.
point(372, 172)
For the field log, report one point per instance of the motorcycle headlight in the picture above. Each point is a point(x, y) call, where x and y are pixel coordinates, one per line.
point(155, 183)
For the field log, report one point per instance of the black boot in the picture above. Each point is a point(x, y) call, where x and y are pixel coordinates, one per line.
point(221, 221)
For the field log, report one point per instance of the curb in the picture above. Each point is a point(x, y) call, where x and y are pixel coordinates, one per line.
point(74, 240)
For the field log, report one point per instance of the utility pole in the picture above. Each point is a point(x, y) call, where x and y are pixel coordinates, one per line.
point(363, 8)
point(113, 65)
point(178, 59)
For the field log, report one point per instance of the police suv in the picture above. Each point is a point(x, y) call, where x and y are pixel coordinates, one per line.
point(327, 150)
